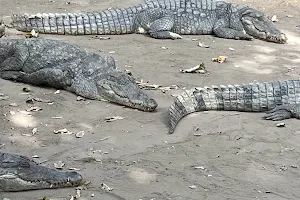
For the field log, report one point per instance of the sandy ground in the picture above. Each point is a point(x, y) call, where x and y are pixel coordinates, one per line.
point(233, 156)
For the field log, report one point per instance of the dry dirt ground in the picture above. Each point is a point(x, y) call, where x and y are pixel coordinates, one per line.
point(233, 156)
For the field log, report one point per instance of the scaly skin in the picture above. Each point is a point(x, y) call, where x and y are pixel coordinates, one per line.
point(19, 173)
point(2, 28)
point(162, 19)
point(281, 100)
point(61, 65)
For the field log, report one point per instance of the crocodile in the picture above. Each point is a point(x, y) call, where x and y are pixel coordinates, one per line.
point(279, 99)
point(19, 173)
point(161, 19)
point(61, 65)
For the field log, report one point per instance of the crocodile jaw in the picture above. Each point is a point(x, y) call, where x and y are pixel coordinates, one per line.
point(12, 183)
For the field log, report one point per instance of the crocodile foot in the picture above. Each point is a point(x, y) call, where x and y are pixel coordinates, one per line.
point(283, 112)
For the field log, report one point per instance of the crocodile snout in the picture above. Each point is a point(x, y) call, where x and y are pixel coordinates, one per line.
point(280, 38)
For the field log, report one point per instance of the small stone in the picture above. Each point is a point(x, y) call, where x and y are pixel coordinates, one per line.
point(280, 124)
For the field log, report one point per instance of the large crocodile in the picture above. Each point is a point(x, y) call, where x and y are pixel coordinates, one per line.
point(61, 65)
point(281, 100)
point(162, 19)
point(19, 173)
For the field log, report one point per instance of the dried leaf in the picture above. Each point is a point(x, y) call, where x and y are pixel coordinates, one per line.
point(63, 131)
point(2, 97)
point(35, 156)
point(59, 165)
point(197, 69)
point(220, 59)
point(114, 118)
point(59, 117)
point(84, 185)
point(36, 99)
point(79, 98)
point(34, 108)
point(13, 105)
point(57, 92)
point(31, 34)
point(77, 194)
point(12, 112)
point(34, 131)
point(80, 134)
point(73, 168)
point(203, 45)
point(105, 187)
point(148, 86)
point(274, 18)
point(100, 37)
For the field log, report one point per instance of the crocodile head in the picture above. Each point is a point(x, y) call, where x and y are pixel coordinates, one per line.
point(120, 88)
point(259, 26)
point(19, 173)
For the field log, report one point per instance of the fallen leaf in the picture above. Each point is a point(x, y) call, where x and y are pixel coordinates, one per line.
point(106, 187)
point(84, 185)
point(32, 34)
point(274, 18)
point(32, 100)
point(114, 118)
point(192, 187)
point(80, 134)
point(63, 131)
point(73, 168)
point(100, 37)
point(59, 117)
point(79, 98)
point(34, 130)
point(34, 108)
point(59, 165)
point(57, 92)
point(197, 69)
point(2, 97)
point(13, 105)
point(220, 59)
point(203, 45)
point(35, 156)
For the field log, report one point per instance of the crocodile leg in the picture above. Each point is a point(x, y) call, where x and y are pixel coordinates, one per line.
point(222, 30)
point(158, 22)
point(282, 112)
point(11, 75)
point(48, 76)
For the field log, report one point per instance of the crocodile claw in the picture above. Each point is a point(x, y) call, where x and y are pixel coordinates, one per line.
point(283, 112)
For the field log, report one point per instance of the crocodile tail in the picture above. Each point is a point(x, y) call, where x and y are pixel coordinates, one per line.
point(107, 22)
point(188, 102)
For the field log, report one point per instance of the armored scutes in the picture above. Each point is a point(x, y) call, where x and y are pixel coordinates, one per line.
point(281, 100)
point(162, 19)
point(61, 65)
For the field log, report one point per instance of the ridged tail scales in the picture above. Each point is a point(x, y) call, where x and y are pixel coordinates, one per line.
point(252, 97)
point(110, 22)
